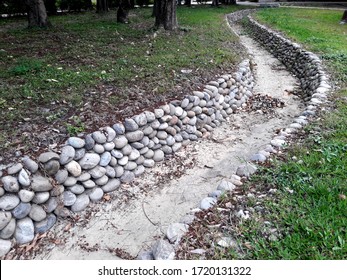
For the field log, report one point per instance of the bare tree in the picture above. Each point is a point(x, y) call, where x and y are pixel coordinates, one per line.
point(165, 14)
point(123, 11)
point(37, 15)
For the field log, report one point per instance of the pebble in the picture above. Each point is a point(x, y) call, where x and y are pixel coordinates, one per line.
point(40, 184)
point(5, 218)
point(134, 136)
point(41, 197)
point(110, 172)
point(97, 172)
point(98, 148)
point(246, 170)
point(76, 142)
point(67, 154)
point(37, 213)
point(89, 161)
point(111, 133)
point(158, 155)
point(163, 250)
point(130, 165)
point(51, 204)
point(101, 181)
point(278, 143)
point(5, 247)
point(159, 113)
point(8, 231)
point(61, 176)
point(123, 161)
point(140, 119)
point(14, 169)
point(111, 186)
point(119, 128)
point(139, 170)
point(22, 210)
point(149, 163)
point(24, 232)
point(26, 195)
point(89, 142)
point(96, 194)
point(68, 198)
point(105, 159)
point(52, 167)
point(207, 202)
point(10, 184)
point(83, 177)
point(76, 189)
point(117, 154)
point(46, 224)
point(81, 203)
point(127, 177)
point(31, 165)
point(175, 232)
point(45, 157)
point(258, 157)
point(88, 184)
point(9, 202)
point(119, 171)
point(130, 125)
point(127, 149)
point(99, 137)
point(134, 155)
point(109, 146)
point(74, 168)
point(23, 178)
point(120, 141)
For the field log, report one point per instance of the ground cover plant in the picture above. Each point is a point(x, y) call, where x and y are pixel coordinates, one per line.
point(87, 71)
point(297, 202)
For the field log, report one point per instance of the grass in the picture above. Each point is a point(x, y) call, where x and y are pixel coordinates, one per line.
point(51, 70)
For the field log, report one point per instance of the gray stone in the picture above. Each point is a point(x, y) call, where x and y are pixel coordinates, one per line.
point(41, 197)
point(97, 172)
point(90, 142)
point(52, 167)
point(110, 172)
point(155, 124)
point(149, 163)
point(14, 169)
point(134, 136)
point(140, 160)
point(70, 181)
point(9, 202)
point(143, 150)
point(119, 171)
point(96, 194)
point(140, 119)
point(119, 128)
point(162, 135)
point(145, 255)
point(31, 165)
point(123, 161)
point(37, 213)
point(5, 218)
point(166, 149)
point(101, 181)
point(278, 143)
point(99, 137)
point(139, 170)
point(187, 219)
point(150, 116)
point(51, 204)
point(226, 186)
point(111, 133)
point(67, 154)
point(98, 148)
point(24, 232)
point(134, 155)
point(83, 177)
point(246, 170)
point(111, 186)
point(158, 113)
point(62, 212)
point(10, 184)
point(23, 178)
point(117, 154)
point(120, 141)
point(45, 157)
point(76, 189)
point(127, 177)
point(105, 159)
point(149, 154)
point(5, 247)
point(130, 125)
point(158, 155)
point(61, 176)
point(2, 191)
point(127, 149)
point(113, 162)
point(130, 165)
point(176, 147)
point(89, 161)
point(163, 250)
point(40, 184)
point(8, 231)
point(68, 198)
point(22, 210)
point(81, 203)
point(26, 195)
point(258, 157)
point(216, 193)
point(46, 224)
point(207, 202)
point(88, 184)
point(175, 232)
point(76, 142)
point(74, 168)
point(109, 146)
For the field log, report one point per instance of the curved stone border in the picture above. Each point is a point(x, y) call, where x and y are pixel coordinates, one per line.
point(34, 193)
point(307, 67)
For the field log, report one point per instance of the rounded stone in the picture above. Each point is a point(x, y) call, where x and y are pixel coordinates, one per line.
point(31, 165)
point(258, 157)
point(23, 178)
point(134, 155)
point(105, 159)
point(176, 147)
point(162, 135)
point(2, 191)
point(127, 149)
point(109, 146)
point(101, 181)
point(158, 155)
point(41, 197)
point(76, 189)
point(140, 119)
point(89, 161)
point(110, 172)
point(51, 204)
point(111, 185)
point(120, 141)
point(150, 116)
point(119, 128)
point(81, 203)
point(96, 194)
point(98, 148)
point(134, 136)
point(26, 195)
point(8, 231)
point(22, 210)
point(24, 232)
point(90, 142)
point(278, 143)
point(5, 218)
point(119, 171)
point(99, 137)
point(14, 169)
point(10, 184)
point(175, 231)
point(111, 133)
point(88, 184)
point(40, 184)
point(46, 157)
point(76, 142)
point(117, 154)
point(97, 172)
point(123, 161)
point(70, 181)
point(130, 165)
point(46, 224)
point(226, 186)
point(149, 163)
point(52, 167)
point(74, 168)
point(130, 125)
point(5, 247)
point(67, 154)
point(83, 177)
point(158, 113)
point(127, 177)
point(37, 213)
point(207, 202)
point(9, 202)
point(68, 198)
point(149, 154)
point(61, 176)
point(113, 162)
point(139, 170)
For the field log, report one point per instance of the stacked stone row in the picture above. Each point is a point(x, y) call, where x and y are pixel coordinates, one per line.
point(34, 194)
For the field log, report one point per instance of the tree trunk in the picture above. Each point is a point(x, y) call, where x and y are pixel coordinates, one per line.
point(123, 11)
point(51, 7)
point(344, 18)
point(101, 6)
point(165, 14)
point(215, 3)
point(188, 3)
point(37, 15)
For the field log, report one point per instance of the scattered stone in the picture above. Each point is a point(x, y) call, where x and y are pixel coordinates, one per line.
point(163, 250)
point(89, 161)
point(149, 163)
point(187, 219)
point(40, 184)
point(10, 184)
point(227, 242)
point(198, 251)
point(175, 232)
point(24, 232)
point(76, 142)
point(207, 202)
point(278, 143)
point(37, 213)
point(14, 169)
point(258, 157)
point(23, 178)
point(5, 247)
point(9, 202)
point(46, 224)
point(243, 215)
point(21, 211)
point(26, 195)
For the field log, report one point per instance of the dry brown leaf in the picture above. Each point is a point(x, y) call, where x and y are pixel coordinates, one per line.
point(107, 197)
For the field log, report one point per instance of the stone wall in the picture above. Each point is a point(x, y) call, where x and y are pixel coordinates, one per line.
point(34, 193)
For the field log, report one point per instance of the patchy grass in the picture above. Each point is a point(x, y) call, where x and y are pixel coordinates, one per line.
point(48, 76)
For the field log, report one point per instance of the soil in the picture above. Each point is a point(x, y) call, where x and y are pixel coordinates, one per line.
point(131, 219)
